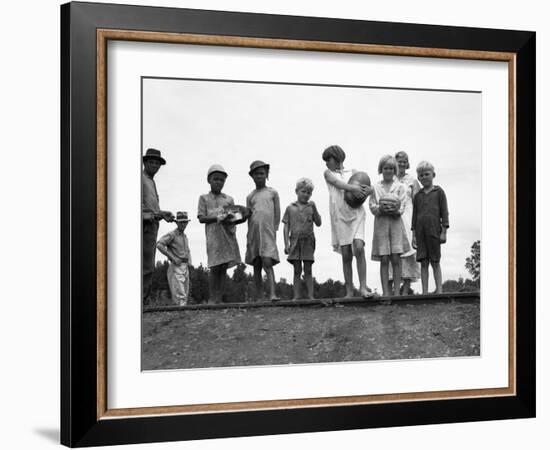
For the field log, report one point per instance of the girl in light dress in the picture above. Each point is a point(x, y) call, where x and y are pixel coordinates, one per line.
point(389, 240)
point(410, 269)
point(347, 223)
point(263, 223)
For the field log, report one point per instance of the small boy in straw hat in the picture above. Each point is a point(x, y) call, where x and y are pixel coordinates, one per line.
point(176, 247)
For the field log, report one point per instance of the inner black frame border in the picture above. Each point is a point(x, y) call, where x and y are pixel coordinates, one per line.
point(79, 423)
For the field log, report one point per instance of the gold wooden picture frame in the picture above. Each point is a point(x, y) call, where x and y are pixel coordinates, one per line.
point(87, 418)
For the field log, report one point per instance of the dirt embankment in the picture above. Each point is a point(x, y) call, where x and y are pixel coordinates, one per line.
point(297, 335)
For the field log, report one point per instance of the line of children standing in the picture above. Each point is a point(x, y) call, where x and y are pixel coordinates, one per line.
point(429, 223)
point(392, 201)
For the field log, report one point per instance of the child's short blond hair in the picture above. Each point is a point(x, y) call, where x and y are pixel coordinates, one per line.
point(425, 165)
point(385, 160)
point(304, 183)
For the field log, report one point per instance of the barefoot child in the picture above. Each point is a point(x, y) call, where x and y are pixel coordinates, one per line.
point(263, 223)
point(176, 247)
point(410, 269)
point(389, 240)
point(299, 218)
point(221, 242)
point(430, 221)
point(347, 223)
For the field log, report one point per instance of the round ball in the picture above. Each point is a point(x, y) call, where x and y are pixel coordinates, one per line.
point(358, 178)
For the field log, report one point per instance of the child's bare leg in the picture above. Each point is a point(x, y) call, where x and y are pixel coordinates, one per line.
point(217, 287)
point(406, 285)
point(297, 278)
point(347, 257)
point(396, 266)
point(309, 278)
point(384, 275)
point(213, 285)
point(267, 263)
point(437, 277)
point(359, 250)
point(258, 279)
point(424, 274)
point(219, 278)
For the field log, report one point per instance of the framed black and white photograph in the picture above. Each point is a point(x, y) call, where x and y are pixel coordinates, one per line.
point(290, 127)
point(299, 224)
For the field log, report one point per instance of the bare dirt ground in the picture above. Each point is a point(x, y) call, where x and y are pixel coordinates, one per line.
point(313, 334)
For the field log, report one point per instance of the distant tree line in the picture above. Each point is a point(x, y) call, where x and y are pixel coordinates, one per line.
point(240, 285)
point(473, 262)
point(473, 265)
point(461, 285)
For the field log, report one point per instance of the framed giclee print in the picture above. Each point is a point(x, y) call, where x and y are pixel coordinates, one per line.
point(277, 224)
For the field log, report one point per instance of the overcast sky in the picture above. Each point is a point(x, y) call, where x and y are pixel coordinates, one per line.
point(196, 123)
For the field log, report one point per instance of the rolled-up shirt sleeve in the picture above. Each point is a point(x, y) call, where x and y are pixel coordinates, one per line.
point(202, 209)
point(166, 239)
point(286, 215)
point(276, 210)
point(444, 210)
point(415, 212)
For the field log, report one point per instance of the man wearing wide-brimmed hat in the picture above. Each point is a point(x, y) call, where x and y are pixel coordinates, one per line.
point(151, 215)
point(176, 247)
